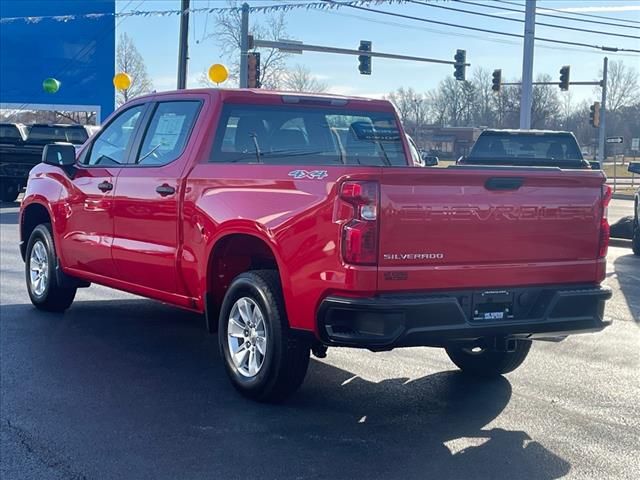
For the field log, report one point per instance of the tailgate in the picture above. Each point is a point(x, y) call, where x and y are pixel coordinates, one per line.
point(465, 227)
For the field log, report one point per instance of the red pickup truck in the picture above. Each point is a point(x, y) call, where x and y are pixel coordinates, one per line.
point(297, 222)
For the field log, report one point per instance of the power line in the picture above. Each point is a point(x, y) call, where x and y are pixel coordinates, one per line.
point(456, 34)
point(561, 17)
point(477, 29)
point(522, 21)
point(574, 13)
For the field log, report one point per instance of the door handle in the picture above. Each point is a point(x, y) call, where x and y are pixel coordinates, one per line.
point(165, 190)
point(503, 183)
point(105, 186)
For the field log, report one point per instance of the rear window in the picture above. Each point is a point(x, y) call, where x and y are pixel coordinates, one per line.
point(523, 149)
point(58, 134)
point(9, 133)
point(307, 135)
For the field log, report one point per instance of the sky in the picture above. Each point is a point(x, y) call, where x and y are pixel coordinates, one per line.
point(157, 40)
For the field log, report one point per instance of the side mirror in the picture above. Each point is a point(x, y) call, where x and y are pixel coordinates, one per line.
point(429, 160)
point(634, 167)
point(595, 166)
point(59, 154)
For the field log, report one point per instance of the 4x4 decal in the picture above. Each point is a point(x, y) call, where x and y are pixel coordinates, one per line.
point(312, 175)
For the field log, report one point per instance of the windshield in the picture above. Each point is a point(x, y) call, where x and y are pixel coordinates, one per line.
point(508, 146)
point(48, 133)
point(307, 135)
point(10, 133)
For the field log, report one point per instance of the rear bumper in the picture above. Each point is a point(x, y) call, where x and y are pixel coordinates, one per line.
point(389, 321)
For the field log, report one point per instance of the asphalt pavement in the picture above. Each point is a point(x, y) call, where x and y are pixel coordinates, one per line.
point(121, 387)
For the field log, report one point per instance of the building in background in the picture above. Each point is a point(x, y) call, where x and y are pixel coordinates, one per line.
point(78, 52)
point(449, 142)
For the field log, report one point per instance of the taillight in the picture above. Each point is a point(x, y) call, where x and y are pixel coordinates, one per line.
point(604, 222)
point(360, 235)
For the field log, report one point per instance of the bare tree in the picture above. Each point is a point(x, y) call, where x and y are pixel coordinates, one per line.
point(545, 105)
point(475, 104)
point(129, 61)
point(272, 61)
point(82, 118)
point(506, 105)
point(622, 86)
point(438, 107)
point(483, 111)
point(566, 107)
point(454, 99)
point(300, 79)
point(402, 99)
point(205, 81)
point(413, 110)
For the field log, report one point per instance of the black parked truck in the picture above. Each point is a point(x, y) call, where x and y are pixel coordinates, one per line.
point(529, 148)
point(21, 149)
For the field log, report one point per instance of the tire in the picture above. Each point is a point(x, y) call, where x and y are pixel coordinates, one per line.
point(281, 363)
point(486, 362)
point(9, 191)
point(635, 240)
point(40, 271)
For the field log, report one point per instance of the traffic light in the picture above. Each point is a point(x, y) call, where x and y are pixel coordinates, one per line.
point(253, 70)
point(594, 115)
point(460, 67)
point(364, 61)
point(497, 80)
point(564, 77)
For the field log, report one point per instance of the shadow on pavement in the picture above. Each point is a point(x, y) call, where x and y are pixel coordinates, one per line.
point(627, 269)
point(137, 389)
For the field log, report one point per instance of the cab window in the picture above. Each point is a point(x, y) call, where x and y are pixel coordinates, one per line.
point(168, 132)
point(112, 144)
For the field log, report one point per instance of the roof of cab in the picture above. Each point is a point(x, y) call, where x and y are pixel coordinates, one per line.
point(250, 95)
point(517, 131)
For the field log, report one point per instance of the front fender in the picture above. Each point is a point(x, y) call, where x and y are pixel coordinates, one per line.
point(45, 191)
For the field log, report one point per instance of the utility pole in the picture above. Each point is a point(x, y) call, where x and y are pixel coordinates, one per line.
point(183, 50)
point(527, 64)
point(603, 114)
point(244, 46)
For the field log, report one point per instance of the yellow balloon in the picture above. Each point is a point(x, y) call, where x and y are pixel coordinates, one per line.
point(121, 81)
point(218, 73)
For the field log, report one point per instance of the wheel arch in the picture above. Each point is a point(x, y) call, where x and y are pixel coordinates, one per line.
point(31, 216)
point(232, 253)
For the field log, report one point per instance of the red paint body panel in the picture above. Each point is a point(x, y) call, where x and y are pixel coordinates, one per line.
point(297, 219)
point(84, 220)
point(545, 232)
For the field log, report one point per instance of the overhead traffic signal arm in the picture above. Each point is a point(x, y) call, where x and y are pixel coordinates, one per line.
point(364, 53)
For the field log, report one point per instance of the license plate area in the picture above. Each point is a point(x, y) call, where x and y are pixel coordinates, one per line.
point(492, 306)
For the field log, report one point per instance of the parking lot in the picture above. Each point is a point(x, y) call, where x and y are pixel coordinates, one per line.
point(124, 387)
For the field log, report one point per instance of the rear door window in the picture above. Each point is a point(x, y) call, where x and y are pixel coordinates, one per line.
point(307, 135)
point(168, 132)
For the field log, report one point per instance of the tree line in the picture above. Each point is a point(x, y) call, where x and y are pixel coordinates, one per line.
point(473, 103)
